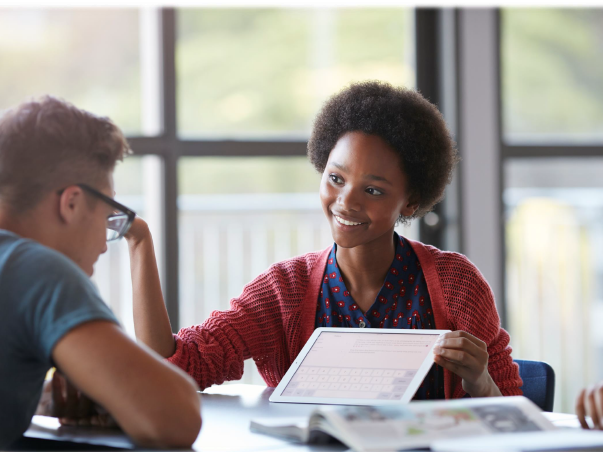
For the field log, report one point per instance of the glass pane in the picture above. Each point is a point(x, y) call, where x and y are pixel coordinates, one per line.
point(90, 57)
point(554, 268)
point(137, 186)
point(237, 217)
point(265, 72)
point(552, 68)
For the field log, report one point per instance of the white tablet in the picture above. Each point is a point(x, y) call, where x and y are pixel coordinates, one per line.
point(353, 366)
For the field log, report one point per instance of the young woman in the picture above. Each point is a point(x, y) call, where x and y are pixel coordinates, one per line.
point(386, 156)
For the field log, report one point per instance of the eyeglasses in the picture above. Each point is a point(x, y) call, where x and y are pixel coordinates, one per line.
point(119, 221)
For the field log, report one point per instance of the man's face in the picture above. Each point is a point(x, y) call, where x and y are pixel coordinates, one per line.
point(89, 233)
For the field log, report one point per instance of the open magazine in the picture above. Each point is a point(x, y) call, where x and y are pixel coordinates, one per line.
point(408, 426)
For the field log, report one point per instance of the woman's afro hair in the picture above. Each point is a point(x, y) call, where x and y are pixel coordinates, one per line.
point(410, 124)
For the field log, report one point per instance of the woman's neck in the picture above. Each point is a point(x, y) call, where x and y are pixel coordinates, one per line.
point(364, 267)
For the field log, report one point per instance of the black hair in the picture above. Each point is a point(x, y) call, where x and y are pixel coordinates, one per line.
point(409, 123)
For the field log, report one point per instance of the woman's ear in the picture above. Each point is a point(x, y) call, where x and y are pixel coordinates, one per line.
point(410, 208)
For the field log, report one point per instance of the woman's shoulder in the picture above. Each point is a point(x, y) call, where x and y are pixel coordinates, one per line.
point(445, 261)
point(465, 291)
point(303, 264)
point(459, 278)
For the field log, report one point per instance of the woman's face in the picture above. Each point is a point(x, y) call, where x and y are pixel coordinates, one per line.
point(363, 190)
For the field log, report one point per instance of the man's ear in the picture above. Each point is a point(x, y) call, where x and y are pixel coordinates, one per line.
point(70, 203)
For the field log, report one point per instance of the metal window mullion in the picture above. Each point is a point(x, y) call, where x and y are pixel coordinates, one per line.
point(231, 148)
point(428, 83)
point(501, 176)
point(552, 151)
point(170, 161)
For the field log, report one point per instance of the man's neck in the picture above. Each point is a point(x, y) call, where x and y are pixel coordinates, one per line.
point(26, 225)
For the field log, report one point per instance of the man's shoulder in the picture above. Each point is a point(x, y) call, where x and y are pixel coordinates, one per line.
point(33, 274)
point(22, 258)
point(45, 294)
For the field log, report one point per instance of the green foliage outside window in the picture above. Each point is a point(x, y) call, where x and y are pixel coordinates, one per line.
point(552, 74)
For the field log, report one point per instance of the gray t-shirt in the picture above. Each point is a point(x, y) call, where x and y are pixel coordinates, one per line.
point(43, 295)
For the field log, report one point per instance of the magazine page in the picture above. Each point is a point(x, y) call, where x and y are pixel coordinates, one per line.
point(418, 424)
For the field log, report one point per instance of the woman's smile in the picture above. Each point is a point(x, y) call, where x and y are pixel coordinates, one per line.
point(347, 222)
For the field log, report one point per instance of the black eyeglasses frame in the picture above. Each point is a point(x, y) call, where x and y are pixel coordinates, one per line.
point(117, 206)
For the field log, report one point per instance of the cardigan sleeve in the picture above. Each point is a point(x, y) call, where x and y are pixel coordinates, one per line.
point(215, 351)
point(471, 308)
point(263, 323)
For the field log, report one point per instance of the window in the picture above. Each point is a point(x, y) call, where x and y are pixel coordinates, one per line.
point(95, 58)
point(218, 106)
point(71, 54)
point(551, 75)
point(259, 73)
point(554, 232)
point(553, 185)
point(262, 74)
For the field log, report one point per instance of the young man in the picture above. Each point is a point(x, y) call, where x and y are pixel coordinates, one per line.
point(56, 214)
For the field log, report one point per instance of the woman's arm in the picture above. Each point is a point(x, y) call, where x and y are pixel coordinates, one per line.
point(471, 308)
point(151, 321)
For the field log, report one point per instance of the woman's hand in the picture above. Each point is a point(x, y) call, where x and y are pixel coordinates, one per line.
point(139, 231)
point(590, 403)
point(466, 356)
point(151, 321)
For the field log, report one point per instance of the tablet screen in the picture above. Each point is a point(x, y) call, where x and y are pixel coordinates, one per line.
point(360, 366)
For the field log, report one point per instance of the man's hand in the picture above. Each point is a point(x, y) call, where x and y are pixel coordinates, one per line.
point(590, 403)
point(62, 399)
point(466, 356)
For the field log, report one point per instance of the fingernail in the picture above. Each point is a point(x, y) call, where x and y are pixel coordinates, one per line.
point(437, 350)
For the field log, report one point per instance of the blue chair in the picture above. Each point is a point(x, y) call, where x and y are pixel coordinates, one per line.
point(538, 382)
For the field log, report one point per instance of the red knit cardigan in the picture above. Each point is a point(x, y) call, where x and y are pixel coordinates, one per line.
point(274, 317)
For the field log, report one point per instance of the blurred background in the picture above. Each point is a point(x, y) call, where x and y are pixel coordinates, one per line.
point(218, 105)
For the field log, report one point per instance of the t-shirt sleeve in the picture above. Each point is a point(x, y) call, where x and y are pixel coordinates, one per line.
point(54, 296)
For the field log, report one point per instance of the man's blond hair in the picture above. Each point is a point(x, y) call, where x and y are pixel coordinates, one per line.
point(48, 144)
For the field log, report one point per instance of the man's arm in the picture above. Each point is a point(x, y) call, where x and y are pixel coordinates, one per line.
point(153, 402)
point(151, 321)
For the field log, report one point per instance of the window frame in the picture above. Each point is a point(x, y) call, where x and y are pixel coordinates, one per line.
point(525, 151)
point(169, 147)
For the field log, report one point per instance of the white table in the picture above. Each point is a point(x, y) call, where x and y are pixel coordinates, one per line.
point(226, 412)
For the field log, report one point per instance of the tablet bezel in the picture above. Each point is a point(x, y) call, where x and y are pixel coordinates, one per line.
point(408, 394)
